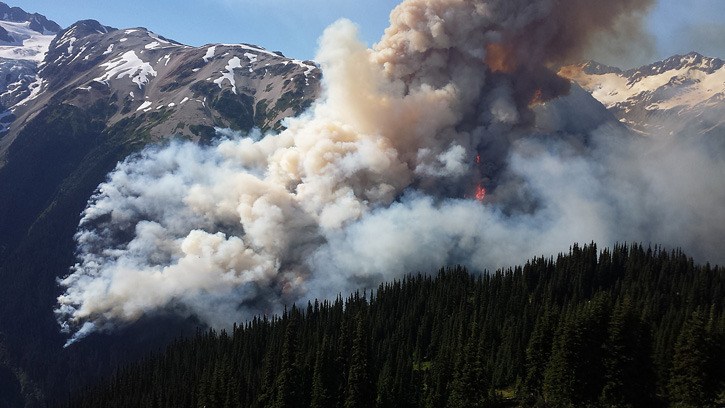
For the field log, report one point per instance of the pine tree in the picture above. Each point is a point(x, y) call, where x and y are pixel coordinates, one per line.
point(321, 382)
point(538, 353)
point(689, 384)
point(574, 374)
point(289, 378)
point(359, 391)
point(266, 396)
point(469, 387)
point(559, 382)
point(629, 376)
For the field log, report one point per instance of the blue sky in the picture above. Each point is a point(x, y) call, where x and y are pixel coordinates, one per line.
point(293, 26)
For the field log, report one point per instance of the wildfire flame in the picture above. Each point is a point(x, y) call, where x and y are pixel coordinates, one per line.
point(480, 193)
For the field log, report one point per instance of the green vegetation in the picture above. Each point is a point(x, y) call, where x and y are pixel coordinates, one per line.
point(205, 133)
point(625, 327)
point(260, 115)
point(237, 110)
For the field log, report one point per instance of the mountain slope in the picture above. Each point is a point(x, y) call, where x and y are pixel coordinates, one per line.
point(98, 95)
point(24, 41)
point(96, 81)
point(137, 72)
point(684, 93)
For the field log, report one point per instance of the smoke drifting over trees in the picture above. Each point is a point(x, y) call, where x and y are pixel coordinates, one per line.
point(380, 177)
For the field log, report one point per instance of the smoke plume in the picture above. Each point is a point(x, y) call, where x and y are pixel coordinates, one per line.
point(451, 141)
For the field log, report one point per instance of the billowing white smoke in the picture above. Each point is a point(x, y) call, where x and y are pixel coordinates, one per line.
point(373, 182)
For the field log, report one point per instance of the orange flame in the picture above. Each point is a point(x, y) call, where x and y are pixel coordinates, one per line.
point(480, 193)
point(499, 59)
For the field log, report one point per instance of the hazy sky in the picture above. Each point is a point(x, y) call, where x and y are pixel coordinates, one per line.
point(293, 26)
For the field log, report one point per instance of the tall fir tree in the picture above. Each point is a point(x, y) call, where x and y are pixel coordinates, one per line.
point(629, 379)
point(469, 387)
point(359, 390)
point(288, 392)
point(538, 352)
point(690, 384)
point(322, 381)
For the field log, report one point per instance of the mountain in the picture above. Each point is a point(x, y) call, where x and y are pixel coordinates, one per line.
point(24, 42)
point(24, 36)
point(136, 74)
point(683, 93)
point(97, 83)
point(73, 103)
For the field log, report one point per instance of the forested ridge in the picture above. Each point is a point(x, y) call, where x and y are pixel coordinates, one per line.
point(627, 326)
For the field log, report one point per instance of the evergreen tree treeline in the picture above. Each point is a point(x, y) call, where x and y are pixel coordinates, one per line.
point(626, 327)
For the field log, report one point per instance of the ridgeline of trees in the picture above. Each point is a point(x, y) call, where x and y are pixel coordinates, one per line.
point(626, 327)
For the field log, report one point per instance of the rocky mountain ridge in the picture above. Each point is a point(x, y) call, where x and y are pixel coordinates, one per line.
point(683, 92)
point(135, 73)
point(36, 22)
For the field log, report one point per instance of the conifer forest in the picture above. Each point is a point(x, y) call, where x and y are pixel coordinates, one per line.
point(629, 326)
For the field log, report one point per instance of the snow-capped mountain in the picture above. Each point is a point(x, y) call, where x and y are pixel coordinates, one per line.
point(101, 93)
point(24, 36)
point(134, 73)
point(684, 93)
point(24, 41)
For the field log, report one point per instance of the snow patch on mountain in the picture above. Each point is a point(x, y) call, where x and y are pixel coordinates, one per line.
point(144, 105)
point(209, 53)
point(251, 57)
point(36, 88)
point(128, 65)
point(161, 40)
point(233, 64)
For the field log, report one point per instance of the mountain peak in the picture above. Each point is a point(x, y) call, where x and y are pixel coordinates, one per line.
point(37, 22)
point(692, 60)
point(85, 28)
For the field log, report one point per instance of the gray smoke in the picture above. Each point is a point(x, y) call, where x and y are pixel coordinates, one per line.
point(385, 175)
